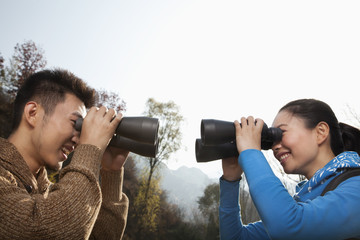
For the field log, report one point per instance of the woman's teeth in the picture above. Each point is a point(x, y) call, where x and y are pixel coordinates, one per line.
point(284, 156)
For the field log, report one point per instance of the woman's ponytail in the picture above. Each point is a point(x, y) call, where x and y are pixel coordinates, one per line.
point(351, 137)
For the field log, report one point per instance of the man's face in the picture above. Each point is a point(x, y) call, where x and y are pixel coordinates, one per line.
point(56, 136)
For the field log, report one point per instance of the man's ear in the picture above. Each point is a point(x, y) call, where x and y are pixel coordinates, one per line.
point(323, 132)
point(31, 113)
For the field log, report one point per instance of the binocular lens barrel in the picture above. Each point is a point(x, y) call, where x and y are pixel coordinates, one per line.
point(218, 140)
point(142, 129)
point(206, 153)
point(215, 132)
point(136, 134)
point(143, 149)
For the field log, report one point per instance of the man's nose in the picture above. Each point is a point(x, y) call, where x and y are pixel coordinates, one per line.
point(76, 137)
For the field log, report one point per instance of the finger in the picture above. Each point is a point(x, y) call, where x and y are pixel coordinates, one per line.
point(237, 125)
point(259, 122)
point(110, 114)
point(244, 122)
point(250, 121)
point(92, 111)
point(102, 110)
point(116, 119)
point(118, 116)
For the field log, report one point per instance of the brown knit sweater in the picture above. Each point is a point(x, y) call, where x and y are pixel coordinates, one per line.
point(74, 208)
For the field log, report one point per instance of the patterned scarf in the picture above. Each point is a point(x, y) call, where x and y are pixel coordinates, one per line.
point(335, 167)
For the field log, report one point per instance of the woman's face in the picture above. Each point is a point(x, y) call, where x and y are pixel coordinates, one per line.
point(298, 149)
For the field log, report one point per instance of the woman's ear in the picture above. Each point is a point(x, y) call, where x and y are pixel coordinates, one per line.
point(31, 113)
point(323, 132)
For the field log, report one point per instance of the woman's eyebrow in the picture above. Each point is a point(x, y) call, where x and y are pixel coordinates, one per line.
point(281, 125)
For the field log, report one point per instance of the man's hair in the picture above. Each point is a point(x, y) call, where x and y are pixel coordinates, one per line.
point(48, 88)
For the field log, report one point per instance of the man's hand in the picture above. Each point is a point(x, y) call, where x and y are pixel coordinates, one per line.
point(99, 127)
point(114, 159)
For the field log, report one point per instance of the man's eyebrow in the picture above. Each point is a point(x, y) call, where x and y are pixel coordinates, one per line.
point(77, 114)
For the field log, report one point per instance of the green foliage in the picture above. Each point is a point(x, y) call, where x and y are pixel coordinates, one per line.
point(209, 202)
point(209, 207)
point(170, 223)
point(147, 204)
point(170, 127)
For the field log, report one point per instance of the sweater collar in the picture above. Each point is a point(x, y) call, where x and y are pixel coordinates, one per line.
point(11, 160)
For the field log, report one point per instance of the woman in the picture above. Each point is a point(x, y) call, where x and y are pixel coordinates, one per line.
point(313, 144)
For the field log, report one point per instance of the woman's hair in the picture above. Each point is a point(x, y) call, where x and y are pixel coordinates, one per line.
point(48, 88)
point(343, 137)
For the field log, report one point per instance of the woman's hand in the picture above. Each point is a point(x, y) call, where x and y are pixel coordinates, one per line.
point(231, 169)
point(248, 134)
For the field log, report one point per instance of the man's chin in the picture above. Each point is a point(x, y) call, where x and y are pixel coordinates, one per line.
point(54, 167)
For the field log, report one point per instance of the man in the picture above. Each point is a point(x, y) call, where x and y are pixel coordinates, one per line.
point(87, 202)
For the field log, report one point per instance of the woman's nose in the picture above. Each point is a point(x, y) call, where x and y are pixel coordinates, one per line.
point(276, 146)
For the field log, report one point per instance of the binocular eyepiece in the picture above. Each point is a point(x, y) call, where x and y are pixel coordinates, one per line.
point(218, 140)
point(136, 134)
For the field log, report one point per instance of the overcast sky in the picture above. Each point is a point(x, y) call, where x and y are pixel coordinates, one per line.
point(215, 59)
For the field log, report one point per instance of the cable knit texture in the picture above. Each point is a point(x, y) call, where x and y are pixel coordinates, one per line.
point(76, 207)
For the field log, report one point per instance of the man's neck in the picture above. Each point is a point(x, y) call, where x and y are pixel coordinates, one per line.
point(26, 149)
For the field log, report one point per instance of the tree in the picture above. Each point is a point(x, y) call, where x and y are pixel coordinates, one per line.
point(172, 224)
point(2, 70)
point(5, 107)
point(27, 59)
point(147, 208)
point(170, 219)
point(110, 100)
point(169, 135)
point(5, 114)
point(209, 207)
point(169, 141)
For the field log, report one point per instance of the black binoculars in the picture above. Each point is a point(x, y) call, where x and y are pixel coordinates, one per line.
point(218, 140)
point(136, 134)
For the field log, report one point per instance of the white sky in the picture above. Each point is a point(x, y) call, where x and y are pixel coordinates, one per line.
point(215, 59)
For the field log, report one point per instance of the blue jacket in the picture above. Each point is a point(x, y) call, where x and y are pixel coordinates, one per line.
point(305, 216)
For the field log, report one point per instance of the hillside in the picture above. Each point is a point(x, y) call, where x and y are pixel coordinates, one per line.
point(183, 186)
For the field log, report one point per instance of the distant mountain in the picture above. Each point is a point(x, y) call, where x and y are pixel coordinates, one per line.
point(184, 186)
